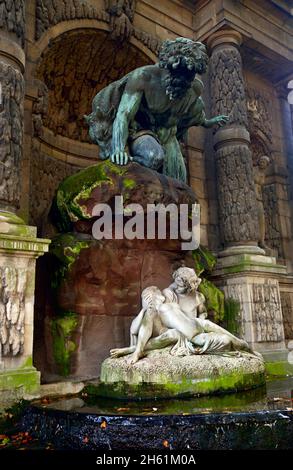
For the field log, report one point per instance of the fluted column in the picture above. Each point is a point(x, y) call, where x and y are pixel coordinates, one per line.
point(235, 182)
point(12, 63)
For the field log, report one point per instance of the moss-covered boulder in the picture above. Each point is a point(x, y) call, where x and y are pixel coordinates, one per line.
point(161, 375)
point(78, 194)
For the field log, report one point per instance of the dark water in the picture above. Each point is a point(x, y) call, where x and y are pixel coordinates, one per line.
point(276, 395)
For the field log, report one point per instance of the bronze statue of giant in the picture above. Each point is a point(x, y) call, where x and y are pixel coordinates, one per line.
point(143, 116)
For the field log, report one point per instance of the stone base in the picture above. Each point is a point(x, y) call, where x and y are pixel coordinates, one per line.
point(19, 249)
point(18, 383)
point(161, 375)
point(251, 286)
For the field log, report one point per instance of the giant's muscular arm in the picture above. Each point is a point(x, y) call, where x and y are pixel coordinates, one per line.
point(127, 110)
point(197, 117)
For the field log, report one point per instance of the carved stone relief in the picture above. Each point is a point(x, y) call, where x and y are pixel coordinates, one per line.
point(228, 91)
point(260, 112)
point(12, 299)
point(237, 202)
point(287, 310)
point(270, 203)
point(12, 17)
point(267, 312)
point(11, 134)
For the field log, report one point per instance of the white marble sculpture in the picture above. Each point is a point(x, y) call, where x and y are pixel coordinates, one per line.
point(177, 317)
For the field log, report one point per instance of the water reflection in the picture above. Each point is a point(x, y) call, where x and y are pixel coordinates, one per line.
point(277, 395)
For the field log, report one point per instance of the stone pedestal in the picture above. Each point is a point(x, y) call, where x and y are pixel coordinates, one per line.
point(19, 249)
point(161, 375)
point(251, 287)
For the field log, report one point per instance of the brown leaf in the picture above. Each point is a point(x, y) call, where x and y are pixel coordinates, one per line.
point(103, 424)
point(166, 443)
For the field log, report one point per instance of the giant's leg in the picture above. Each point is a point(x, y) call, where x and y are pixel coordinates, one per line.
point(174, 164)
point(147, 151)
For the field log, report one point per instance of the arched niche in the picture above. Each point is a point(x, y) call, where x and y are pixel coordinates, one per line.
point(74, 67)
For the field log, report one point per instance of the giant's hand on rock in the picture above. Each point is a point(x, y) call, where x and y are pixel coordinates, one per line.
point(120, 158)
point(221, 120)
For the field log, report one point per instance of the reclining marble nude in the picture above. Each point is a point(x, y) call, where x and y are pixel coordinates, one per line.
point(170, 318)
point(142, 116)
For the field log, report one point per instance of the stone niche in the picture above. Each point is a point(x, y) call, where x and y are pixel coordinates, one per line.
point(96, 284)
point(76, 66)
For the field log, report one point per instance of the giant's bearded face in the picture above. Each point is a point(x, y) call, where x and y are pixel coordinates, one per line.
point(183, 58)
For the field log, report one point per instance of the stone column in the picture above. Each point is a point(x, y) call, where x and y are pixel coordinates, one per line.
point(248, 277)
point(236, 192)
point(19, 246)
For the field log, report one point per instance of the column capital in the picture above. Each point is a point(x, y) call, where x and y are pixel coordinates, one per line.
point(224, 37)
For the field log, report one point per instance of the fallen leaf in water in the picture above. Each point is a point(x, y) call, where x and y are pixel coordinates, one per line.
point(103, 424)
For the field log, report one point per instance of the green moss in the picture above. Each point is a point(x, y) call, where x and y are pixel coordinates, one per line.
point(215, 299)
point(204, 260)
point(62, 329)
point(128, 183)
point(185, 388)
point(279, 368)
point(231, 316)
point(67, 206)
point(26, 379)
point(66, 249)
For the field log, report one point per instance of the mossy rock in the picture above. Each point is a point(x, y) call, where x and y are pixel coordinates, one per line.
point(78, 194)
point(161, 375)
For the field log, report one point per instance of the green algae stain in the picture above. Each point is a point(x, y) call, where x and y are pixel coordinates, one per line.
point(66, 249)
point(215, 299)
point(62, 329)
point(129, 183)
point(204, 263)
point(232, 316)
